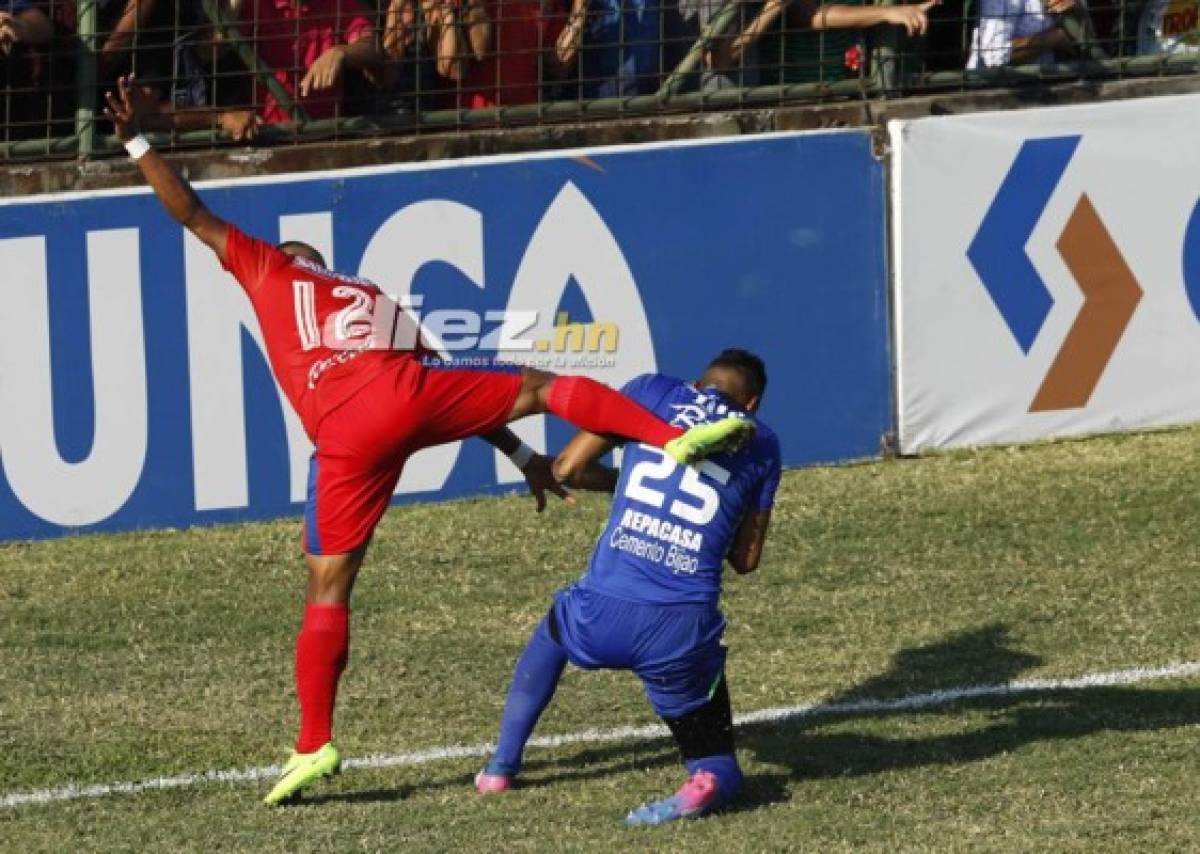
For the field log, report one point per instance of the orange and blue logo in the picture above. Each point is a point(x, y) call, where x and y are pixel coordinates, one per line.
point(1111, 292)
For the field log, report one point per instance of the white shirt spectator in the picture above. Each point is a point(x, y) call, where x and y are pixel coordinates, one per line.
point(1169, 26)
point(1001, 21)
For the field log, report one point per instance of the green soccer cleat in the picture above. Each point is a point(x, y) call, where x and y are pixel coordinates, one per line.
point(704, 440)
point(302, 769)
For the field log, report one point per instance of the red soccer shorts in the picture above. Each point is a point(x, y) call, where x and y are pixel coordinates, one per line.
point(362, 445)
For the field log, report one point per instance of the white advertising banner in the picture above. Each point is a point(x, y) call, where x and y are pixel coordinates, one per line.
point(1047, 272)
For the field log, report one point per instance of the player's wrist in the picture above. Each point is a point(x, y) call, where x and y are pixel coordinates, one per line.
point(521, 456)
point(137, 146)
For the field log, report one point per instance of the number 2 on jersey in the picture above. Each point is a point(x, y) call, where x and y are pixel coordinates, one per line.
point(661, 469)
point(353, 321)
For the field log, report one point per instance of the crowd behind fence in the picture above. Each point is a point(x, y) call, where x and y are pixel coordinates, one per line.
point(271, 70)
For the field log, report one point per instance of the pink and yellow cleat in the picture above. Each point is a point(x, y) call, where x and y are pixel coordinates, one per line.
point(696, 797)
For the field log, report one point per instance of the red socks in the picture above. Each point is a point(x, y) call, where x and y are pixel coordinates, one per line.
point(321, 650)
point(596, 408)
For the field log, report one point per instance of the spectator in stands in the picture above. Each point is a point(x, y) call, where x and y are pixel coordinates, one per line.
point(22, 23)
point(137, 38)
point(619, 46)
point(507, 49)
point(24, 28)
point(399, 28)
point(1020, 32)
point(209, 87)
point(819, 42)
point(310, 44)
point(731, 58)
point(1169, 27)
point(425, 52)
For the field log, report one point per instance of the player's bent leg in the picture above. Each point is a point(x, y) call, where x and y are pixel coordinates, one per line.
point(705, 739)
point(534, 681)
point(322, 650)
point(331, 577)
point(589, 405)
point(593, 406)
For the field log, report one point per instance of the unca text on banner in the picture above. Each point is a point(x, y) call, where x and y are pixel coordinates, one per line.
point(133, 387)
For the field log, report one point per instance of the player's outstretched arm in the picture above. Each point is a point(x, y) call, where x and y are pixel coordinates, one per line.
point(125, 110)
point(747, 547)
point(535, 466)
point(577, 464)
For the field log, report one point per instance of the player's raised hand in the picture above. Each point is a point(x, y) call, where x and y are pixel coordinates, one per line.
point(126, 108)
point(119, 111)
point(540, 477)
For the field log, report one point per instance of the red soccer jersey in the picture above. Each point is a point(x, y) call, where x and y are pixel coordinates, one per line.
point(302, 309)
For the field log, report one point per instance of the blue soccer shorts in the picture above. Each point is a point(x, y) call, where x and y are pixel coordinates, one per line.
point(675, 650)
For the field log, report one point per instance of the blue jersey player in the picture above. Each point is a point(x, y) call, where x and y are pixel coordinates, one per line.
point(649, 599)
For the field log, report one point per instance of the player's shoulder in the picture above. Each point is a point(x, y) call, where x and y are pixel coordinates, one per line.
point(764, 433)
point(649, 389)
point(242, 245)
point(765, 444)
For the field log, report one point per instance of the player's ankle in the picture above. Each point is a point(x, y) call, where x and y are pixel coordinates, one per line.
point(500, 768)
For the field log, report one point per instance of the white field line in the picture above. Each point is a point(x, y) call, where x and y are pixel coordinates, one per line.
point(930, 699)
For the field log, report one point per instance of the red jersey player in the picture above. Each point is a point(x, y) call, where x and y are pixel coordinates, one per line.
point(368, 408)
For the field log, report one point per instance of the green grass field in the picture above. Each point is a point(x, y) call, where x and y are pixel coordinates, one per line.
point(132, 657)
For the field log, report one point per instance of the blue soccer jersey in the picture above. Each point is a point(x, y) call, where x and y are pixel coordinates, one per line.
point(671, 525)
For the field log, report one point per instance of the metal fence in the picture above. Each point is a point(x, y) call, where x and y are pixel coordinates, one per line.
point(277, 71)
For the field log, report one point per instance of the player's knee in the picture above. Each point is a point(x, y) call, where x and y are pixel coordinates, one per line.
point(537, 383)
point(534, 394)
point(331, 577)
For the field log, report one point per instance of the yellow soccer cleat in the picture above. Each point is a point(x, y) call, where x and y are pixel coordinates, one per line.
point(302, 769)
point(704, 440)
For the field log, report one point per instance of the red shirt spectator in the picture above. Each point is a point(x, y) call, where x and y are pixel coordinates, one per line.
point(295, 37)
point(521, 31)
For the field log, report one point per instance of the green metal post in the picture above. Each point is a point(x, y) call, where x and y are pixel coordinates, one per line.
point(717, 26)
point(249, 57)
point(86, 78)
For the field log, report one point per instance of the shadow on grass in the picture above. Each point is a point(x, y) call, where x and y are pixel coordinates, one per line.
point(590, 764)
point(979, 657)
point(1016, 721)
point(983, 656)
point(366, 796)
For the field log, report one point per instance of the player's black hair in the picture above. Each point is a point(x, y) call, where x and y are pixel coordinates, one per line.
point(751, 367)
point(299, 247)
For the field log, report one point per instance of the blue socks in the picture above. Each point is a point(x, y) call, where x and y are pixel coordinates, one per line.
point(533, 683)
point(724, 767)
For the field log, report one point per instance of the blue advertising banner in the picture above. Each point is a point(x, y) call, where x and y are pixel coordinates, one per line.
point(134, 389)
